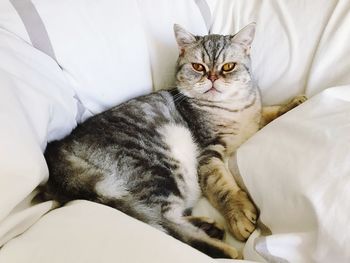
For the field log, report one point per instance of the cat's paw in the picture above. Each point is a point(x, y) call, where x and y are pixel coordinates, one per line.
point(242, 217)
point(298, 100)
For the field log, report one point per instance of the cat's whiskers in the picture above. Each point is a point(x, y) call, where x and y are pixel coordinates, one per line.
point(178, 94)
point(179, 99)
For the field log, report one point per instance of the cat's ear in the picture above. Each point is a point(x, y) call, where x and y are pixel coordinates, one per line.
point(245, 36)
point(183, 37)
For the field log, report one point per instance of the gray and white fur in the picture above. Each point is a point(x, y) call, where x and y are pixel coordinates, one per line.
point(152, 157)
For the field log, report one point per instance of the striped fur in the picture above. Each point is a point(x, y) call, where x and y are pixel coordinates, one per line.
point(153, 156)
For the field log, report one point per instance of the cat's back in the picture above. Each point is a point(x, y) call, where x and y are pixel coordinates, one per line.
point(133, 116)
point(109, 142)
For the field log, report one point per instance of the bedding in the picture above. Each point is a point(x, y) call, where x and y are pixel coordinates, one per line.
point(60, 62)
point(36, 105)
point(303, 161)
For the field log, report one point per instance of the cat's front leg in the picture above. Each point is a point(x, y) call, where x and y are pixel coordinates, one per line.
point(222, 191)
point(269, 113)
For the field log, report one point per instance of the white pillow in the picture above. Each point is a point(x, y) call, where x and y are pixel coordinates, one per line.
point(36, 105)
point(102, 48)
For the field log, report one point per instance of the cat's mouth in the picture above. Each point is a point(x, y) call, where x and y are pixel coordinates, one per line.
point(212, 90)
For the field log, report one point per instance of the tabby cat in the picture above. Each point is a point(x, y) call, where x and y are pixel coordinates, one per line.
point(152, 157)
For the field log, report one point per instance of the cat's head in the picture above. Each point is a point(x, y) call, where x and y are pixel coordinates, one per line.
point(214, 67)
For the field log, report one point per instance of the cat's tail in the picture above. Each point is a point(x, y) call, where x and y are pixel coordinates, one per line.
point(198, 239)
point(46, 193)
point(42, 195)
point(60, 195)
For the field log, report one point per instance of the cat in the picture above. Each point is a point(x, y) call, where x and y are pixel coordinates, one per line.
point(153, 157)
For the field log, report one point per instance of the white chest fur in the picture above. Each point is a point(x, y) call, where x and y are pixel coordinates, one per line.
point(184, 150)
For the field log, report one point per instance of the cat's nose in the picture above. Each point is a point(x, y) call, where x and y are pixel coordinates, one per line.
point(213, 77)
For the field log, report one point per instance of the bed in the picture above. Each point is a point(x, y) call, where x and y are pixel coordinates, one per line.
point(63, 61)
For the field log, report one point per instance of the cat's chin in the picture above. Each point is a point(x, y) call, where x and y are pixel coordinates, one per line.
point(212, 94)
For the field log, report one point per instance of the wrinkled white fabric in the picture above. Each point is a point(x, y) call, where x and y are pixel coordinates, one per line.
point(36, 105)
point(296, 168)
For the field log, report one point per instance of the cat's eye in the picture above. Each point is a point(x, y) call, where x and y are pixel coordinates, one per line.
point(198, 67)
point(228, 66)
